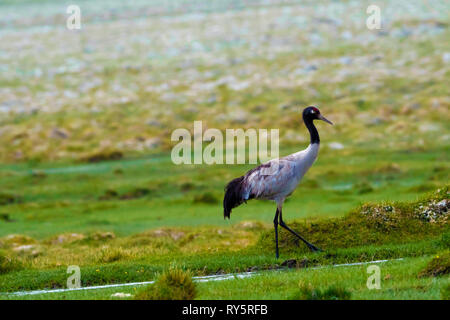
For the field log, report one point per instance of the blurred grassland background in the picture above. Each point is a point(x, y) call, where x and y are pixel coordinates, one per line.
point(86, 115)
point(118, 87)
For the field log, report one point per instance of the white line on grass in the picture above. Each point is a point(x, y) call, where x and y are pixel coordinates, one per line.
point(219, 277)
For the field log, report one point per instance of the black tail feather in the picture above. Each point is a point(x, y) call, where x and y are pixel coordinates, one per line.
point(233, 196)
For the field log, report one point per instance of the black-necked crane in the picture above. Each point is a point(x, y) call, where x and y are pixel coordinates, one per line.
point(277, 179)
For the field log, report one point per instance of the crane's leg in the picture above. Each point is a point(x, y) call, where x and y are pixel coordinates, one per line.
point(282, 224)
point(275, 223)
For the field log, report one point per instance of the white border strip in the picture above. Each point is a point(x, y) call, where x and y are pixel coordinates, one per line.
point(219, 277)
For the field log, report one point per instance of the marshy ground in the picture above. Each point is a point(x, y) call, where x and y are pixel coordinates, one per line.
point(86, 176)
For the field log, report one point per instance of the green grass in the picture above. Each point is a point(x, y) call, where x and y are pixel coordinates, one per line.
point(57, 199)
point(119, 240)
point(399, 280)
point(106, 259)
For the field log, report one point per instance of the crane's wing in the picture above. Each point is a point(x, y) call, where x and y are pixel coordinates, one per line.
point(264, 182)
point(269, 179)
point(272, 180)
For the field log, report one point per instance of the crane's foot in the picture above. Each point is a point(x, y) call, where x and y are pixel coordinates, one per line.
point(313, 248)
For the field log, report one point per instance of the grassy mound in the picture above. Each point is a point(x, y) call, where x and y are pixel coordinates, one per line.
point(371, 224)
point(330, 293)
point(438, 266)
point(108, 255)
point(174, 284)
point(8, 263)
point(8, 199)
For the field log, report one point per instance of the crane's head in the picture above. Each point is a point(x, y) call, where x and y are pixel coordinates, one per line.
point(312, 113)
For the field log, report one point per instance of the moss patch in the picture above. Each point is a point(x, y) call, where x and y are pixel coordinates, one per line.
point(371, 224)
point(438, 266)
point(173, 284)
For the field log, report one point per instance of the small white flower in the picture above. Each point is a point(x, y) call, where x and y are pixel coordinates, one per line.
point(121, 295)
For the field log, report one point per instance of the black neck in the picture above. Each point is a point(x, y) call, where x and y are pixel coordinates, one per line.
point(312, 131)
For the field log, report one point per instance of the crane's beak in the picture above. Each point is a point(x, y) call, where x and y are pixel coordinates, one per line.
point(321, 117)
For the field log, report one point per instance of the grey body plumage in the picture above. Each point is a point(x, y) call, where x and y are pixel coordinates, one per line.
point(276, 179)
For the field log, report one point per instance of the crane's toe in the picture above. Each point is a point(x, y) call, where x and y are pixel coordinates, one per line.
point(313, 248)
